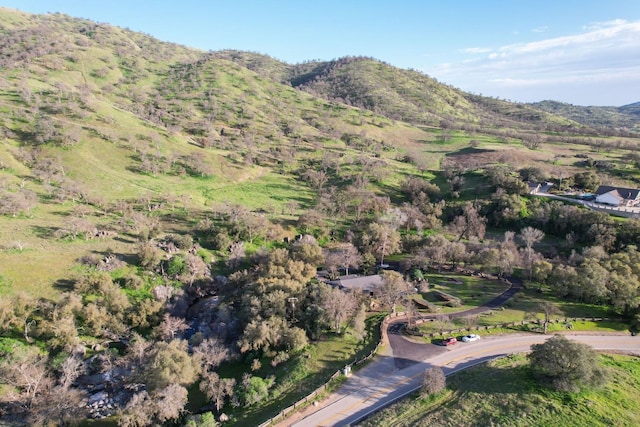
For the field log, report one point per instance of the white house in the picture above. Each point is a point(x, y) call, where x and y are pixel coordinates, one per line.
point(617, 196)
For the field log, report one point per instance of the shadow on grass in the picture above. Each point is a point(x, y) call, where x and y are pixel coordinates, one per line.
point(470, 150)
point(64, 285)
point(488, 379)
point(44, 232)
point(575, 309)
point(124, 240)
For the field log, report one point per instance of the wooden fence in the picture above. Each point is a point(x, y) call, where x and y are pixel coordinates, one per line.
point(567, 321)
point(311, 396)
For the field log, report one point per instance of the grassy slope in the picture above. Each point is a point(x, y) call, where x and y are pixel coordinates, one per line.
point(103, 71)
point(121, 74)
point(502, 393)
point(616, 117)
point(104, 161)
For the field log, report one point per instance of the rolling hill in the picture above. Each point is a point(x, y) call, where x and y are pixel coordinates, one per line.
point(100, 115)
point(605, 119)
point(151, 193)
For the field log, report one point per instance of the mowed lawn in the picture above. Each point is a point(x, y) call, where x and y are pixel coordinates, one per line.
point(524, 306)
point(472, 291)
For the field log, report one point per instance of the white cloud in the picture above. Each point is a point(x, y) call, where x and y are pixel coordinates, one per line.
point(605, 53)
point(597, 25)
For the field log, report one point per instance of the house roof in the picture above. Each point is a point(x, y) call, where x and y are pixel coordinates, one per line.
point(625, 193)
point(363, 283)
point(614, 194)
point(533, 185)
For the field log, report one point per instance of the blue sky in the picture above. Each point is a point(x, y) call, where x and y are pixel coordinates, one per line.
point(585, 52)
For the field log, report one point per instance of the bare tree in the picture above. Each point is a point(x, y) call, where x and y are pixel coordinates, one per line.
point(546, 308)
point(217, 389)
point(393, 289)
point(508, 256)
point(138, 412)
point(344, 256)
point(383, 239)
point(195, 268)
point(358, 323)
point(70, 370)
point(171, 327)
point(530, 236)
point(211, 353)
point(332, 262)
point(169, 402)
point(61, 406)
point(29, 375)
point(433, 381)
point(434, 253)
point(470, 223)
point(338, 306)
point(350, 257)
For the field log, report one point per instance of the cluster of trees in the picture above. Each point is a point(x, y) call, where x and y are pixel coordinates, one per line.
point(599, 277)
point(270, 306)
point(16, 201)
point(229, 288)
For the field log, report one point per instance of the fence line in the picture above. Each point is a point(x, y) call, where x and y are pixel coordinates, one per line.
point(283, 413)
point(566, 320)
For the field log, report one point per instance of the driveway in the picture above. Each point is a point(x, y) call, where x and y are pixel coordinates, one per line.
point(407, 352)
point(391, 374)
point(376, 386)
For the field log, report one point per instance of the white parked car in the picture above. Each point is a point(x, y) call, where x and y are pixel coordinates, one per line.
point(470, 338)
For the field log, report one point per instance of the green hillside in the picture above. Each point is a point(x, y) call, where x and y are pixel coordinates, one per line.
point(162, 206)
point(101, 115)
point(605, 119)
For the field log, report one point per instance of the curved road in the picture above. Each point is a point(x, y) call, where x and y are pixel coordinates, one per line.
point(379, 384)
point(407, 353)
point(398, 370)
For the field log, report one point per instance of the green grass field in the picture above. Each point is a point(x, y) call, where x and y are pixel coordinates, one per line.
point(503, 393)
point(473, 291)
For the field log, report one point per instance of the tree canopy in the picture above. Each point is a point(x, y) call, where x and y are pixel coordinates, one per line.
point(566, 365)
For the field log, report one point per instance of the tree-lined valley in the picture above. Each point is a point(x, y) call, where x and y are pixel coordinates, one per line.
point(170, 218)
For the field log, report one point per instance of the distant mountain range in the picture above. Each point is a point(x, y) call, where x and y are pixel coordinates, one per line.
point(625, 117)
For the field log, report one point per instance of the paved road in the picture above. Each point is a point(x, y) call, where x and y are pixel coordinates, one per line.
point(380, 383)
point(401, 353)
point(407, 353)
point(398, 370)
